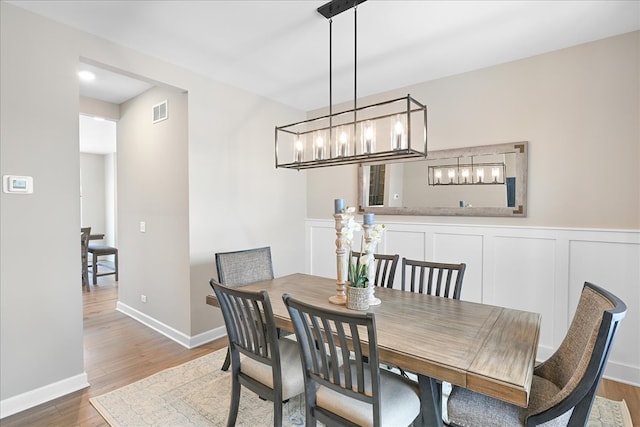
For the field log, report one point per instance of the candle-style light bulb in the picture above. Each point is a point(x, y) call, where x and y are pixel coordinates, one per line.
point(299, 148)
point(452, 175)
point(368, 137)
point(438, 174)
point(465, 175)
point(343, 140)
point(480, 175)
point(495, 173)
point(318, 153)
point(397, 133)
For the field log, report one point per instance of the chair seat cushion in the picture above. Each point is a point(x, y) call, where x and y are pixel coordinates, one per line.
point(399, 401)
point(467, 408)
point(100, 249)
point(291, 366)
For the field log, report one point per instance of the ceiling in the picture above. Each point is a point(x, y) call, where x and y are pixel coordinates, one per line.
point(280, 49)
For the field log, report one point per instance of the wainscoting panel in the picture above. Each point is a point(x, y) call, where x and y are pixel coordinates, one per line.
point(605, 264)
point(529, 268)
point(523, 277)
point(322, 250)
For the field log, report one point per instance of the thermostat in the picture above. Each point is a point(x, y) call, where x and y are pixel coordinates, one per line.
point(17, 184)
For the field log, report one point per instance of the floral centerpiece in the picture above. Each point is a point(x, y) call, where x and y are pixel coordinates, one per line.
point(360, 269)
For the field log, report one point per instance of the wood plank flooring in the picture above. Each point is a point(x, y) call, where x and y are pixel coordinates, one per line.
point(119, 350)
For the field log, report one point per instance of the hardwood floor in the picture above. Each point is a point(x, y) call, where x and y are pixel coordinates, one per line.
point(119, 350)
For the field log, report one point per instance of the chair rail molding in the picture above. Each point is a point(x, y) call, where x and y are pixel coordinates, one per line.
point(538, 269)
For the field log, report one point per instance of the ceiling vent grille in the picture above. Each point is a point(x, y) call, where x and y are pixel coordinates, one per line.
point(160, 112)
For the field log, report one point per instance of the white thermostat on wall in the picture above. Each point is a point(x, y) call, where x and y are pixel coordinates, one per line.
point(17, 184)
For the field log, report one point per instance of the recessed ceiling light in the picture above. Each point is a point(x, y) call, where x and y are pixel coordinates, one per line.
point(86, 75)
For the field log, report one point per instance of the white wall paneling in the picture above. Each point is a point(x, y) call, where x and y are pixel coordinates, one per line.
point(528, 268)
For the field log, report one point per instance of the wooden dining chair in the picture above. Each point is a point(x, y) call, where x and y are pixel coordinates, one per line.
point(353, 393)
point(269, 366)
point(243, 267)
point(98, 250)
point(85, 232)
point(438, 279)
point(433, 278)
point(385, 268)
point(565, 385)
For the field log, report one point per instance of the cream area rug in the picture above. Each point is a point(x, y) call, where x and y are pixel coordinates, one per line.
point(197, 393)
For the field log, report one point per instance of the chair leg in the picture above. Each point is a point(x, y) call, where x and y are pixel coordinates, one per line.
point(95, 268)
point(277, 413)
point(235, 401)
point(227, 361)
point(116, 264)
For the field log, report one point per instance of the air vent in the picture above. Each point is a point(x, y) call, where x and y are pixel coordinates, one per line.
point(160, 112)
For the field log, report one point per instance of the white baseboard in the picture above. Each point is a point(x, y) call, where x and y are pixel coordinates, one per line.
point(32, 398)
point(169, 332)
point(208, 336)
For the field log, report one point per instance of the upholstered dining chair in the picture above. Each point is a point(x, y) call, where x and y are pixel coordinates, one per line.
point(565, 385)
point(243, 267)
point(340, 390)
point(385, 268)
point(85, 232)
point(269, 366)
point(433, 278)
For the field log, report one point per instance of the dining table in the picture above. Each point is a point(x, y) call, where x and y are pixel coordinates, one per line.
point(481, 347)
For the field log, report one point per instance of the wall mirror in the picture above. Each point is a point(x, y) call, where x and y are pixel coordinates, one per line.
point(489, 180)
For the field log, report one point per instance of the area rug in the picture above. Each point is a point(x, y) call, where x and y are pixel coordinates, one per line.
point(197, 393)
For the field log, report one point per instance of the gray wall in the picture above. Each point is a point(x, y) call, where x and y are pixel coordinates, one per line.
point(220, 191)
point(153, 183)
point(579, 108)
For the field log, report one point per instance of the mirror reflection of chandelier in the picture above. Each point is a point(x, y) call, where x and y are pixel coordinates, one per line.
point(385, 131)
point(467, 173)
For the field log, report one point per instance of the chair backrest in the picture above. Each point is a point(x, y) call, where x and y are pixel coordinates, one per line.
point(243, 267)
point(385, 268)
point(433, 278)
point(251, 327)
point(578, 364)
point(325, 338)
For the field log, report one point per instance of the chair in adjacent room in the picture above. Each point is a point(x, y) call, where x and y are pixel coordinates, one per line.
point(385, 268)
point(353, 393)
point(433, 278)
point(240, 268)
point(98, 250)
point(269, 366)
point(565, 385)
point(85, 232)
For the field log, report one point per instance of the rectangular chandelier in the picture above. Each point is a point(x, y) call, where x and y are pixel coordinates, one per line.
point(386, 131)
point(467, 174)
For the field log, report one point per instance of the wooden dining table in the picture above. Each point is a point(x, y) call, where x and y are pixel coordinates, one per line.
point(484, 348)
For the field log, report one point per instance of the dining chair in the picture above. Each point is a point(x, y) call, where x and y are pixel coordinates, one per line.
point(243, 267)
point(385, 268)
point(269, 366)
point(438, 279)
point(97, 250)
point(85, 232)
point(433, 278)
point(353, 393)
point(565, 385)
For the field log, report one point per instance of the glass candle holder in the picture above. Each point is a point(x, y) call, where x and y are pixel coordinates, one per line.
point(398, 132)
point(368, 136)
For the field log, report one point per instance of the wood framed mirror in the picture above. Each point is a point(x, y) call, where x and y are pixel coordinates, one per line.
point(489, 180)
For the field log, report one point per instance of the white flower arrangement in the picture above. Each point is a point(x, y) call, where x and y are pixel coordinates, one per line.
point(358, 272)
